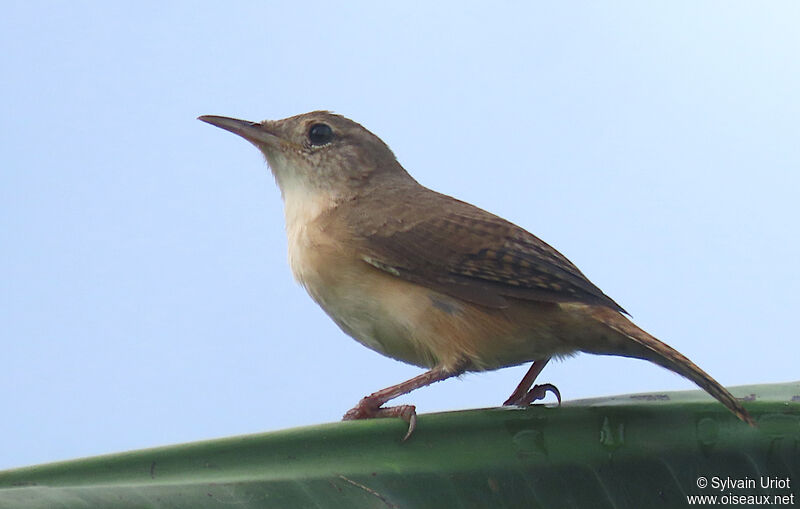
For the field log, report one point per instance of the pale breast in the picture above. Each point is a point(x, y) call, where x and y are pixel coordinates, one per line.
point(395, 317)
point(302, 210)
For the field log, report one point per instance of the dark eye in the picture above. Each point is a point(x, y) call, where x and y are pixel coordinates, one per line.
point(320, 134)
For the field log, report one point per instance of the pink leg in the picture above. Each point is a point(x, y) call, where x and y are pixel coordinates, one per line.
point(372, 405)
point(523, 395)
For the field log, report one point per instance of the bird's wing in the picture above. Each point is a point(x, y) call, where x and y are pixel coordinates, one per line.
point(468, 253)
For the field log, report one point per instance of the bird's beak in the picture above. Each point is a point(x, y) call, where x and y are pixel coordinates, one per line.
point(254, 132)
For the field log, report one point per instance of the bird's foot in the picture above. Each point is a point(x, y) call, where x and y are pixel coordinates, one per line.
point(368, 409)
point(536, 393)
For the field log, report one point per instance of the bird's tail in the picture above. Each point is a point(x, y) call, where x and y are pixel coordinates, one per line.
point(644, 346)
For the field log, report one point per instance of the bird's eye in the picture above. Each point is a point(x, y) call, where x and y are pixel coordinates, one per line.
point(320, 134)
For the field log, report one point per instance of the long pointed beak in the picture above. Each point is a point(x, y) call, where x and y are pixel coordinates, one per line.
point(253, 132)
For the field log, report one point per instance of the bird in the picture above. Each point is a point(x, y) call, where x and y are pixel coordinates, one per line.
point(430, 280)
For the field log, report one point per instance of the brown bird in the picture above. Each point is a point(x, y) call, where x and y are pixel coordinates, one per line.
point(431, 280)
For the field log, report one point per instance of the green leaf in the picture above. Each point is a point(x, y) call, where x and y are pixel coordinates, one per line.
point(627, 451)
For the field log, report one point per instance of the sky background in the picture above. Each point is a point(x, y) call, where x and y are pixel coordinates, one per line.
point(145, 295)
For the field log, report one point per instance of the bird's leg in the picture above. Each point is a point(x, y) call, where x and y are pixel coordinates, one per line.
point(372, 405)
point(523, 395)
point(525, 384)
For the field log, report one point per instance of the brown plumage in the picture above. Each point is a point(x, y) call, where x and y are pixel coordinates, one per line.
point(454, 247)
point(430, 280)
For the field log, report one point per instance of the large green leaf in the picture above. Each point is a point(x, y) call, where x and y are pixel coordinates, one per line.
point(628, 451)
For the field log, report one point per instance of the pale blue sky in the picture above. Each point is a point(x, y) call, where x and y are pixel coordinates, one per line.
point(145, 297)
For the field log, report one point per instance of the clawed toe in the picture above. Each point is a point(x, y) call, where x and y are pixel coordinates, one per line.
point(535, 394)
point(372, 405)
point(368, 410)
point(539, 392)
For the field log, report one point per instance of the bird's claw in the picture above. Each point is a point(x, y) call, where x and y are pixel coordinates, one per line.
point(366, 409)
point(536, 393)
